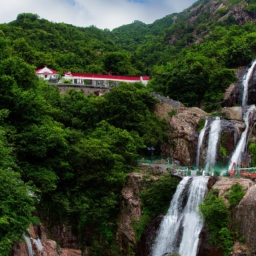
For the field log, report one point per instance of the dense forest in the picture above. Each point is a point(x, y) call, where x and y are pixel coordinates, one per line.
point(66, 157)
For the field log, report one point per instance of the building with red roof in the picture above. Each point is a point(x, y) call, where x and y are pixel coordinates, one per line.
point(101, 80)
point(47, 74)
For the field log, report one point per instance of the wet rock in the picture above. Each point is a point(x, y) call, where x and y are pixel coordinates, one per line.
point(212, 180)
point(145, 244)
point(204, 247)
point(230, 97)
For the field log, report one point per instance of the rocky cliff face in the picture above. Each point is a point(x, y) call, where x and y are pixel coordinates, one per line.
point(243, 220)
point(237, 13)
point(183, 134)
point(131, 212)
point(223, 185)
point(48, 247)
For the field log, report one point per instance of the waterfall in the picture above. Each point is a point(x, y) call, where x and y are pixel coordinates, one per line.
point(212, 143)
point(38, 244)
point(241, 146)
point(200, 141)
point(29, 245)
point(246, 80)
point(180, 228)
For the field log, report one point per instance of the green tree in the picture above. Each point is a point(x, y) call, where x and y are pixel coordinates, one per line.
point(215, 206)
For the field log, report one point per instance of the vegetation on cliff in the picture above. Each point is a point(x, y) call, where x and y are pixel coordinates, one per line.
point(216, 214)
point(71, 152)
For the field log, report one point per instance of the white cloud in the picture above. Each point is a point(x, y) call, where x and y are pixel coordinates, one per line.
point(101, 13)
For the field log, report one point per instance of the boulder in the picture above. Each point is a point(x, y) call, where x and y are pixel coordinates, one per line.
point(232, 113)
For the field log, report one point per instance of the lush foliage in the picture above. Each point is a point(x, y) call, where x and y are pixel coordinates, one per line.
point(74, 151)
point(16, 204)
point(252, 149)
point(216, 216)
point(235, 194)
point(157, 195)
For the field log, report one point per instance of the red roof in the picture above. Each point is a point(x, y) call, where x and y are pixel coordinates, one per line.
point(46, 70)
point(131, 78)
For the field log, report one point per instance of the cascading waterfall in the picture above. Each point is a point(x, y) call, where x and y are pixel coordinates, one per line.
point(29, 245)
point(246, 80)
point(200, 141)
point(180, 228)
point(236, 157)
point(212, 143)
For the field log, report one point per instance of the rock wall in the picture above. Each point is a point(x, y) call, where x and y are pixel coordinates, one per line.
point(184, 135)
point(131, 211)
point(49, 247)
point(243, 219)
point(184, 132)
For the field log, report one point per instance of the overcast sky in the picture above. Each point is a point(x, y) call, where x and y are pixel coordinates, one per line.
point(100, 13)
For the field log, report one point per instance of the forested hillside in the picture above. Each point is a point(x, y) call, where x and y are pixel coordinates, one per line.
point(66, 157)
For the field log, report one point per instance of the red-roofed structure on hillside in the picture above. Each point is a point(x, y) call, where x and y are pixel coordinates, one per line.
point(47, 74)
point(101, 80)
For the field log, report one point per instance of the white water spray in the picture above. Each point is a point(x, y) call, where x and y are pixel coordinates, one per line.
point(200, 141)
point(213, 143)
point(246, 81)
point(180, 228)
point(241, 146)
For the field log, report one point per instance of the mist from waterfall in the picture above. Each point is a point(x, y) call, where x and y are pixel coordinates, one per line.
point(241, 146)
point(213, 139)
point(181, 226)
point(200, 141)
point(246, 81)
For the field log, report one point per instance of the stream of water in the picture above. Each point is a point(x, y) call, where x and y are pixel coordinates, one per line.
point(213, 139)
point(246, 81)
point(181, 226)
point(200, 141)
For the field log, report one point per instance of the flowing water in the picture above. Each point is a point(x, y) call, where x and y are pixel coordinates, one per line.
point(180, 228)
point(246, 81)
point(241, 146)
point(213, 143)
point(200, 141)
point(38, 244)
point(29, 245)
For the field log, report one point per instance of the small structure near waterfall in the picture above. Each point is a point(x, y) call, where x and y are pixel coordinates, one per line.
point(47, 74)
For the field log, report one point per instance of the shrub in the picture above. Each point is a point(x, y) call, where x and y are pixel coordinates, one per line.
point(223, 152)
point(222, 11)
point(201, 124)
point(157, 196)
point(226, 241)
point(235, 195)
point(216, 217)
